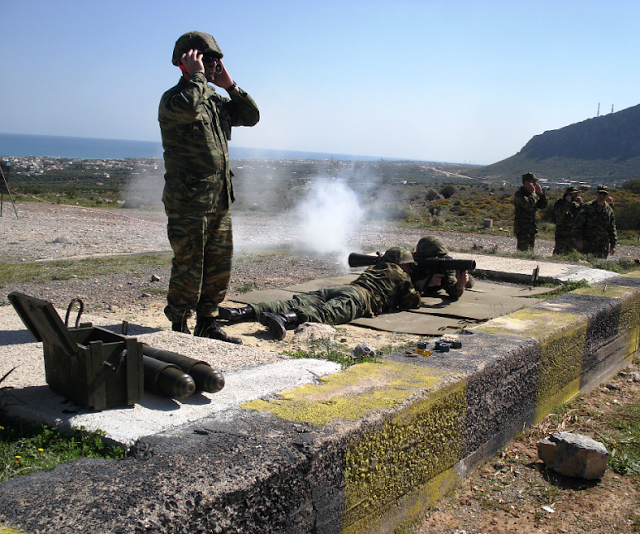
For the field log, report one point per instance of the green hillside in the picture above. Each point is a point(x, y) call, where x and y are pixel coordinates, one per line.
point(604, 149)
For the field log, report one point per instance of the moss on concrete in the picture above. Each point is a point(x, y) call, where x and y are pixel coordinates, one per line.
point(632, 274)
point(350, 395)
point(409, 454)
point(562, 338)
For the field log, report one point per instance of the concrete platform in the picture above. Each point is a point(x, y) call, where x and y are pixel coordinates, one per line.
point(299, 448)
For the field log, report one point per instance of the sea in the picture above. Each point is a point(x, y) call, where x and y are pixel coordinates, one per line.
point(22, 145)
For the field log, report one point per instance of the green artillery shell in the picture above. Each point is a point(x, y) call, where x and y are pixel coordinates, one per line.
point(167, 379)
point(206, 378)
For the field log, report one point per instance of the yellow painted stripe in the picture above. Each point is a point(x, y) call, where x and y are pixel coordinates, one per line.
point(411, 455)
point(562, 338)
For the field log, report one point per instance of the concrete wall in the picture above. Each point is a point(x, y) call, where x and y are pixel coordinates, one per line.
point(511, 372)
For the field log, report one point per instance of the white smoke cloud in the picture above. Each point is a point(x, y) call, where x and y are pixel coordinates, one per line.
point(328, 215)
point(144, 187)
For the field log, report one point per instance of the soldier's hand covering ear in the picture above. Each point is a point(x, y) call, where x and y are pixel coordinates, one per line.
point(192, 61)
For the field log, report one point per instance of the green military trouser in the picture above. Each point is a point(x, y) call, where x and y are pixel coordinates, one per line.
point(526, 242)
point(203, 250)
point(564, 244)
point(597, 247)
point(331, 305)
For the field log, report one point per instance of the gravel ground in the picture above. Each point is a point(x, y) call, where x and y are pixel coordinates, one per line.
point(269, 253)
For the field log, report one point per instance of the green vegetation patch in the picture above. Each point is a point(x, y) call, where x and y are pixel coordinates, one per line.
point(327, 349)
point(25, 448)
point(42, 272)
point(623, 442)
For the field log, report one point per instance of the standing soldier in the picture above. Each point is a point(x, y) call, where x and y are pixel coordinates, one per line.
point(526, 200)
point(596, 226)
point(195, 123)
point(565, 212)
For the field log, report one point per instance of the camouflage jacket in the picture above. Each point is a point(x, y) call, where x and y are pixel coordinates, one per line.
point(525, 205)
point(596, 224)
point(195, 123)
point(387, 287)
point(564, 216)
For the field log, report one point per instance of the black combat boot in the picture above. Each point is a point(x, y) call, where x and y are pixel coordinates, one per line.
point(208, 327)
point(235, 315)
point(279, 323)
point(181, 326)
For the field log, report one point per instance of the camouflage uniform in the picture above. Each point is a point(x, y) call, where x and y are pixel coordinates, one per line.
point(524, 223)
point(195, 123)
point(380, 288)
point(596, 228)
point(433, 247)
point(564, 215)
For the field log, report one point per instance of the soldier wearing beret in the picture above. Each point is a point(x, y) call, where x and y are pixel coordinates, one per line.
point(596, 231)
point(565, 212)
point(195, 124)
point(526, 201)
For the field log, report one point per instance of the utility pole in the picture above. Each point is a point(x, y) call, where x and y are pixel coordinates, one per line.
point(598, 114)
point(611, 108)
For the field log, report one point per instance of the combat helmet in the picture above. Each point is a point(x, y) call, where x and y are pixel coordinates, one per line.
point(397, 255)
point(430, 247)
point(200, 41)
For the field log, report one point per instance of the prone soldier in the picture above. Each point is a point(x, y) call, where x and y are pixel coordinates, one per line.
point(382, 287)
point(430, 281)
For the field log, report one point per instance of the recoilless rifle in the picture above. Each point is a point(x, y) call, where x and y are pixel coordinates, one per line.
point(439, 265)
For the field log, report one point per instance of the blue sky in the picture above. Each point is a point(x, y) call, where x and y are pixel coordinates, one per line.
point(459, 81)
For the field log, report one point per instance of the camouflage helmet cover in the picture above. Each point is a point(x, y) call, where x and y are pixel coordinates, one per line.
point(603, 189)
point(572, 189)
point(397, 255)
point(203, 42)
point(430, 247)
point(529, 176)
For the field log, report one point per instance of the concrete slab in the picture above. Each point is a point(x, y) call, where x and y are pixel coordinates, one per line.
point(249, 374)
point(521, 270)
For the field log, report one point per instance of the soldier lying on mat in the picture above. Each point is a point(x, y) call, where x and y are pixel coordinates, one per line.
point(382, 287)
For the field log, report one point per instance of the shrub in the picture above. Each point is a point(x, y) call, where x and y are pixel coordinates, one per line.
point(447, 191)
point(632, 185)
point(628, 216)
point(432, 194)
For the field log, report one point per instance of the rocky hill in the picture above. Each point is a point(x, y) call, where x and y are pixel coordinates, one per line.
point(602, 149)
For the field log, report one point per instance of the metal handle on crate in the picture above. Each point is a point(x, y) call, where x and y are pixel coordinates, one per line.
point(66, 318)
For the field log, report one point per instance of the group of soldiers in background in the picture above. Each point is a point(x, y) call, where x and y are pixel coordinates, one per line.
point(587, 227)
